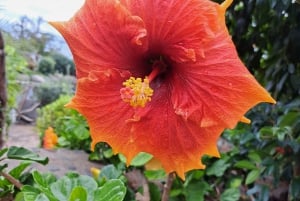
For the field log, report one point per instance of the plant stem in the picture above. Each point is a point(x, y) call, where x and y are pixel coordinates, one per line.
point(11, 179)
point(167, 187)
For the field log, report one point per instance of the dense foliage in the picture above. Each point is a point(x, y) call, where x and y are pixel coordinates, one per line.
point(68, 124)
point(260, 161)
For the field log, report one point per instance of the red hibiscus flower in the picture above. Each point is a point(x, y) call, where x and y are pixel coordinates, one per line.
point(159, 76)
point(50, 139)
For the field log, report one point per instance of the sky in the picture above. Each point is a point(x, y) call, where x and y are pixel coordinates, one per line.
point(49, 10)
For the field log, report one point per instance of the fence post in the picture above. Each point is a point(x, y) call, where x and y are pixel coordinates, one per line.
point(3, 95)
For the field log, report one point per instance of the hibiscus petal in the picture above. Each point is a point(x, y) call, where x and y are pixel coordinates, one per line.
point(217, 89)
point(177, 143)
point(179, 27)
point(104, 33)
point(98, 99)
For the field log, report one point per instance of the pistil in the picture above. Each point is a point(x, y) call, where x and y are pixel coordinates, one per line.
point(137, 91)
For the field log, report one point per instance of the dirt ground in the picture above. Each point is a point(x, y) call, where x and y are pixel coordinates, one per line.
point(61, 161)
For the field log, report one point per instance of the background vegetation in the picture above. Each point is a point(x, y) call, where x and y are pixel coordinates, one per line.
point(258, 162)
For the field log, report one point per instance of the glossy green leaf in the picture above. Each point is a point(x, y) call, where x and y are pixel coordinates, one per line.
point(235, 182)
point(252, 176)
point(245, 164)
point(254, 156)
point(218, 168)
point(289, 119)
point(141, 159)
point(196, 191)
point(17, 171)
point(231, 194)
point(112, 190)
point(20, 153)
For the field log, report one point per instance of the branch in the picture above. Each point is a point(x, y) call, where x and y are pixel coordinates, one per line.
point(167, 187)
point(11, 179)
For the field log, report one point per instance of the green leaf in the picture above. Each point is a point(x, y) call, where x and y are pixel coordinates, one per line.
point(155, 174)
point(141, 159)
point(295, 188)
point(41, 197)
point(289, 119)
point(21, 153)
point(196, 191)
point(63, 187)
point(154, 191)
point(3, 151)
point(252, 176)
point(17, 171)
point(30, 193)
point(231, 194)
point(245, 164)
point(235, 182)
point(218, 168)
point(254, 156)
point(2, 167)
point(78, 194)
point(43, 180)
point(110, 172)
point(112, 190)
point(108, 153)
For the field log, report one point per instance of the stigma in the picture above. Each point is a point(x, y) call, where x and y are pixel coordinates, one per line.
point(136, 92)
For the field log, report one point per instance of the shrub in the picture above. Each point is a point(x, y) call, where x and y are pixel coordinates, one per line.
point(63, 64)
point(53, 87)
point(69, 125)
point(46, 66)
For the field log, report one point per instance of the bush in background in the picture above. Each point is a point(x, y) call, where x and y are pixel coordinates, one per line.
point(69, 125)
point(46, 65)
point(63, 64)
point(53, 87)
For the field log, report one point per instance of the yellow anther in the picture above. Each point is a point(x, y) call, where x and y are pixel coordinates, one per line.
point(136, 92)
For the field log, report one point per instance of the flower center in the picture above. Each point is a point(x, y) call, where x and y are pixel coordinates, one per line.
point(137, 91)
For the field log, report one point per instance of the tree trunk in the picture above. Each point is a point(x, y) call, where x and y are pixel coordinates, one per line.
point(3, 95)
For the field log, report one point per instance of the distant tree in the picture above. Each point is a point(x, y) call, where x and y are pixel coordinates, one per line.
point(31, 41)
point(63, 64)
point(46, 65)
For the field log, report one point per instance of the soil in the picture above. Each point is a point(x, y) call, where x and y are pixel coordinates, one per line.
point(61, 161)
